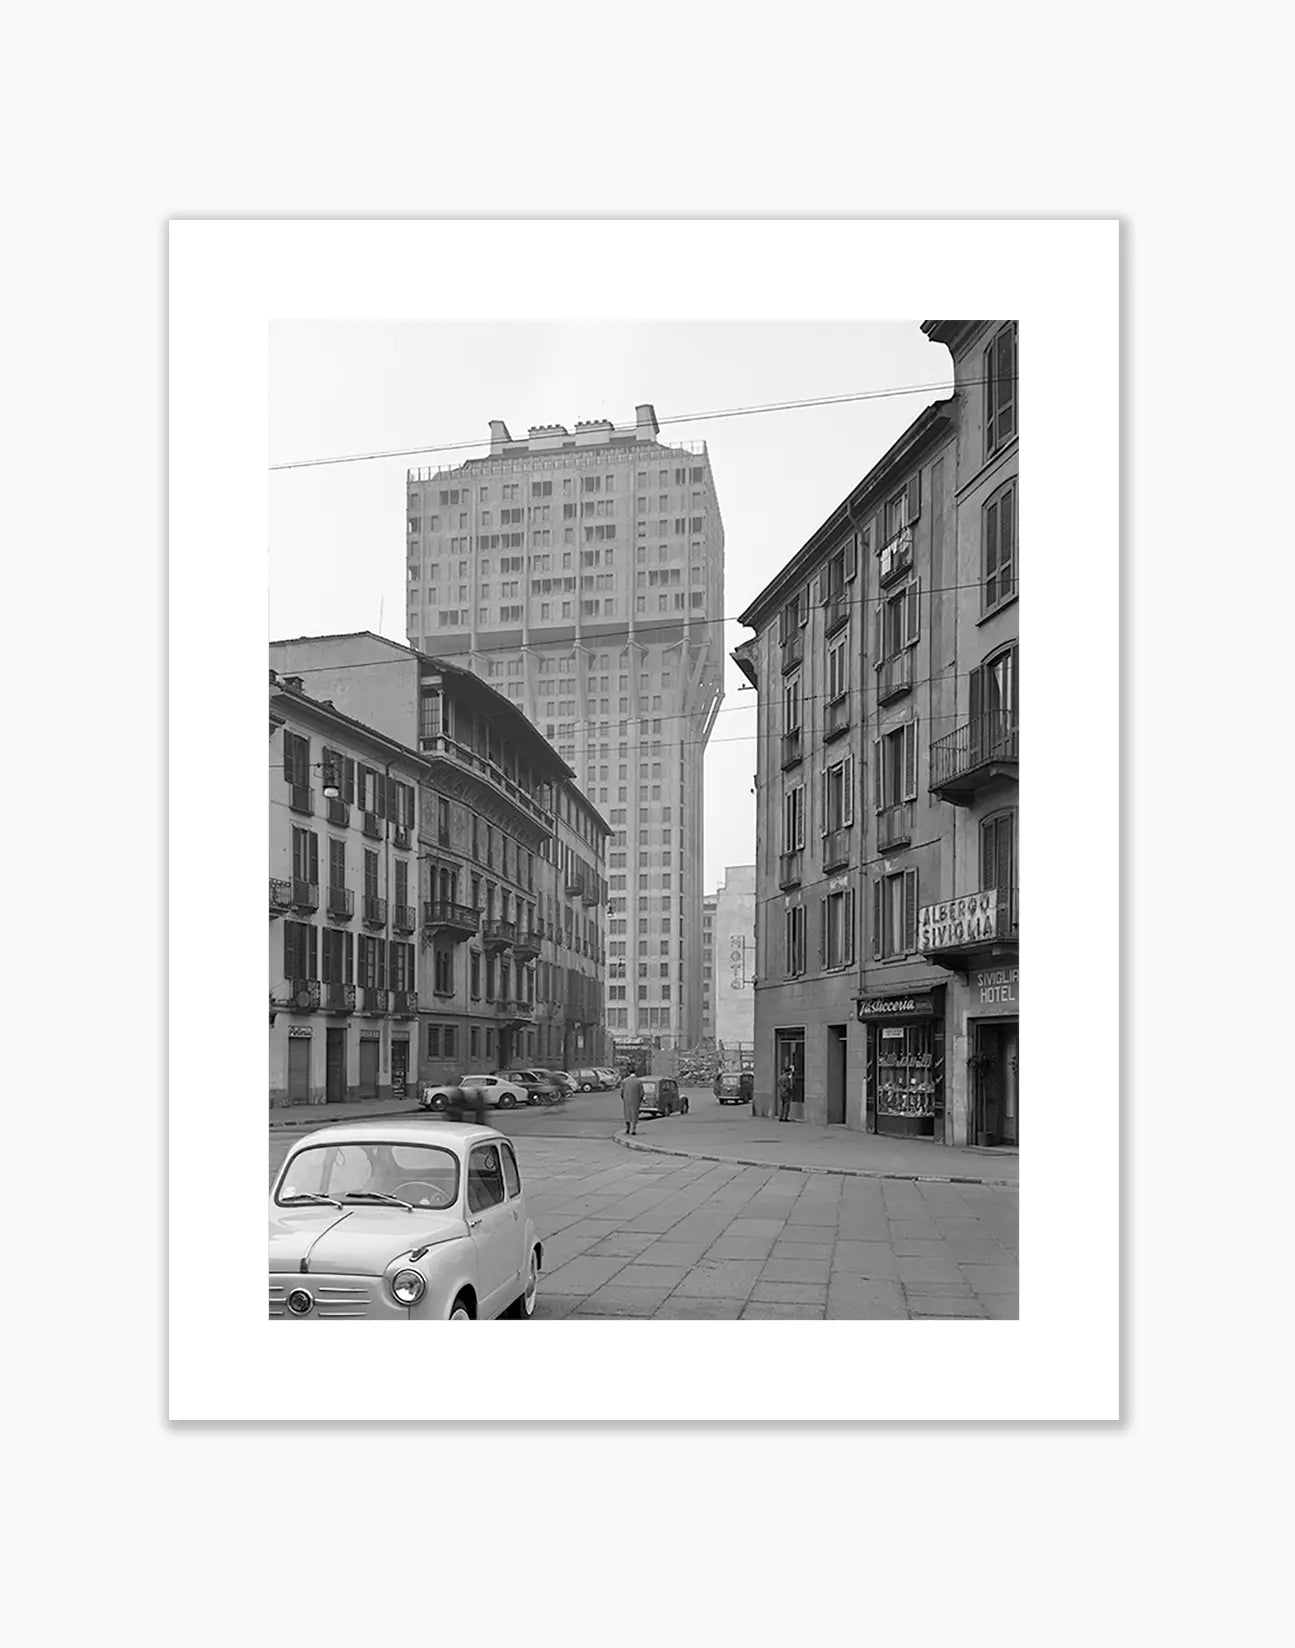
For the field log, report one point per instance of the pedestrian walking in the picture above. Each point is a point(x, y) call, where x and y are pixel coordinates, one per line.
point(786, 1087)
point(631, 1099)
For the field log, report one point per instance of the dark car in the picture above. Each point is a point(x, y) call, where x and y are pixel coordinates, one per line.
point(661, 1097)
point(535, 1083)
point(734, 1086)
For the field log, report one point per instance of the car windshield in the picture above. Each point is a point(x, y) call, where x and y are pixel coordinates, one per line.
point(373, 1172)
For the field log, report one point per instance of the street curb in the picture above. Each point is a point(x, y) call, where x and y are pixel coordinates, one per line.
point(796, 1167)
point(374, 1115)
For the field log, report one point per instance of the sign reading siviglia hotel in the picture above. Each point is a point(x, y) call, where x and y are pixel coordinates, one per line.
point(972, 919)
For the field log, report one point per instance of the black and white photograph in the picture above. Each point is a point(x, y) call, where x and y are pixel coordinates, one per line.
point(644, 819)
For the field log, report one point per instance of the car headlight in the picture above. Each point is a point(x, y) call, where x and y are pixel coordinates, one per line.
point(408, 1286)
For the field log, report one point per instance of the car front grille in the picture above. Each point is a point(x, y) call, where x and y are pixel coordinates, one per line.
point(332, 1299)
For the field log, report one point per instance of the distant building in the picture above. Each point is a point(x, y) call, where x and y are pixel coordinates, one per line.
point(511, 860)
point(734, 951)
point(885, 657)
point(708, 968)
point(343, 889)
point(581, 573)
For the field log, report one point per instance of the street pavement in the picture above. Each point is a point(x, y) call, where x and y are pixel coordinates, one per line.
point(639, 1234)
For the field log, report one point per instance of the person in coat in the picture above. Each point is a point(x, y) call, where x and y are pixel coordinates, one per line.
point(786, 1088)
point(631, 1099)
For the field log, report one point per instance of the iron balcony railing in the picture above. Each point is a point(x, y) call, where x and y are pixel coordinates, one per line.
point(443, 915)
point(341, 903)
point(301, 798)
point(836, 849)
point(836, 718)
point(987, 747)
point(498, 935)
point(402, 836)
point(373, 826)
point(305, 894)
point(527, 942)
point(339, 998)
point(789, 868)
point(894, 828)
point(404, 918)
point(338, 811)
point(895, 675)
point(791, 747)
point(375, 911)
point(793, 650)
point(404, 1003)
point(280, 894)
point(303, 994)
point(373, 1000)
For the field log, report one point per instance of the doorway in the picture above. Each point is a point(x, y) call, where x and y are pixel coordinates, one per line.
point(788, 1054)
point(399, 1068)
point(369, 1069)
point(335, 1067)
point(997, 1065)
point(299, 1070)
point(836, 1075)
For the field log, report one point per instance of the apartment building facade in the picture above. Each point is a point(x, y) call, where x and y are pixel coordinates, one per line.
point(885, 656)
point(735, 959)
point(708, 968)
point(511, 870)
point(344, 971)
point(581, 573)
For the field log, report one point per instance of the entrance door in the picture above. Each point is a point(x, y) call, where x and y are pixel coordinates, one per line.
point(368, 1069)
point(299, 1070)
point(997, 1085)
point(1011, 1089)
point(335, 1067)
point(399, 1068)
point(836, 1075)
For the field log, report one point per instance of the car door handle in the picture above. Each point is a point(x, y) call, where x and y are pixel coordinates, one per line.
point(473, 1223)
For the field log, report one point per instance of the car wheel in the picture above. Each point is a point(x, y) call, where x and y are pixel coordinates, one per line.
point(506, 1101)
point(460, 1313)
point(585, 1087)
point(524, 1305)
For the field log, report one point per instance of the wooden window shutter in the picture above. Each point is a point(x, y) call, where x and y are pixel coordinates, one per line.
point(988, 853)
point(914, 497)
point(878, 782)
point(910, 911)
point(819, 588)
point(822, 828)
point(800, 816)
point(312, 952)
point(313, 850)
point(348, 783)
point(847, 927)
point(910, 760)
point(865, 541)
point(911, 615)
point(991, 552)
point(822, 932)
point(847, 791)
point(802, 607)
point(851, 556)
point(878, 634)
point(289, 934)
point(1005, 867)
point(348, 958)
point(876, 919)
point(976, 693)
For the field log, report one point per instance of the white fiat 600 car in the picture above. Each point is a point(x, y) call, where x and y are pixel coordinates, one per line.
point(402, 1220)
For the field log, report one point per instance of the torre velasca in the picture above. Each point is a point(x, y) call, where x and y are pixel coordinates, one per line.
point(581, 572)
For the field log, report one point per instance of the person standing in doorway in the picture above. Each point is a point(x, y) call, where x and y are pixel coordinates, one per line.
point(786, 1087)
point(631, 1099)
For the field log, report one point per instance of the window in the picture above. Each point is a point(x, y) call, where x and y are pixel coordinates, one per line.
point(897, 623)
point(894, 765)
point(305, 856)
point(793, 819)
point(838, 670)
point(998, 548)
point(837, 930)
point(485, 1178)
point(1000, 390)
point(993, 694)
point(300, 950)
point(794, 940)
point(998, 865)
point(443, 970)
point(894, 915)
point(443, 821)
point(838, 795)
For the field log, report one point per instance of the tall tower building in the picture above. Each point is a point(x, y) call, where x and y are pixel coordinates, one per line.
point(582, 574)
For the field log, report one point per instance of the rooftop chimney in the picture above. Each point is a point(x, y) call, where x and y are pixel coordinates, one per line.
point(647, 428)
point(499, 436)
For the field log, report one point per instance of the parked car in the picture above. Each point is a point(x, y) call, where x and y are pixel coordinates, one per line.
point(734, 1086)
point(592, 1081)
point(534, 1083)
point(404, 1219)
point(560, 1079)
point(495, 1090)
point(661, 1097)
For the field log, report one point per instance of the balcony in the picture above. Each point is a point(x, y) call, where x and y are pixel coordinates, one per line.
point(981, 753)
point(373, 1001)
point(498, 935)
point(895, 676)
point(976, 927)
point(404, 918)
point(280, 895)
point(896, 555)
point(402, 837)
point(515, 1009)
point(836, 609)
point(341, 903)
point(305, 894)
point(789, 869)
point(338, 812)
point(339, 998)
point(303, 995)
point(301, 798)
point(449, 920)
point(373, 826)
point(404, 1004)
point(791, 747)
point(574, 879)
point(894, 827)
point(836, 718)
point(526, 946)
point(591, 892)
point(793, 650)
point(375, 911)
point(836, 849)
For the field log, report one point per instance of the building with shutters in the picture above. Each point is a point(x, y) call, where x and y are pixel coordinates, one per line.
point(885, 657)
point(344, 969)
point(581, 573)
point(511, 888)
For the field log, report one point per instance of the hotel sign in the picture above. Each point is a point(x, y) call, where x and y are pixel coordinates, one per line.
point(958, 922)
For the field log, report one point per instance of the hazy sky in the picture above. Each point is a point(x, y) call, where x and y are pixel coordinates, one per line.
point(337, 534)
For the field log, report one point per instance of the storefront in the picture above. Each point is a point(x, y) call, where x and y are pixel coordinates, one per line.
point(993, 1025)
point(904, 1093)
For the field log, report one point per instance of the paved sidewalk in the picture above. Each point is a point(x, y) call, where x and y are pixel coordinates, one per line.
point(323, 1115)
point(762, 1141)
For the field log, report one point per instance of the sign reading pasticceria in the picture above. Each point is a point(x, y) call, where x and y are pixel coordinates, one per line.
point(972, 919)
point(895, 1007)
